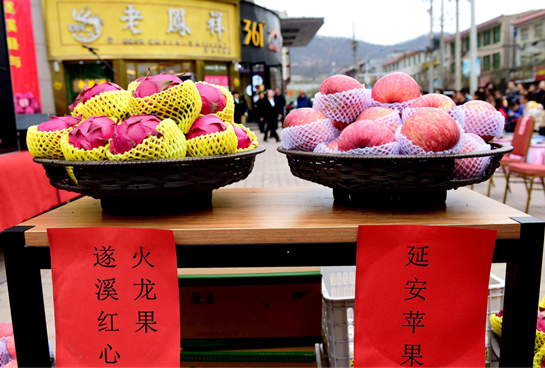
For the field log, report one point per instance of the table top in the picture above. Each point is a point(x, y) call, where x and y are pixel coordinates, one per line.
point(281, 215)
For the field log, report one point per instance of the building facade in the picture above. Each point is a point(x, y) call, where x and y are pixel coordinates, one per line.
point(530, 46)
point(94, 42)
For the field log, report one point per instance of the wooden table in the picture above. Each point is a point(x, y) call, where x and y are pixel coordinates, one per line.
point(281, 227)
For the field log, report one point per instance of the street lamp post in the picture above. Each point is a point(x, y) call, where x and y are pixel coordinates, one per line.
point(367, 62)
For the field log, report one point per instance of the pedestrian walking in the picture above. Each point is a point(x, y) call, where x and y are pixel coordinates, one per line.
point(241, 108)
point(303, 100)
point(259, 111)
point(270, 115)
point(280, 103)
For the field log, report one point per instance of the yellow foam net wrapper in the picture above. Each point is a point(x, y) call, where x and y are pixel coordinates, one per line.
point(496, 323)
point(114, 104)
point(181, 103)
point(72, 153)
point(221, 143)
point(132, 87)
point(171, 145)
point(228, 112)
point(70, 172)
point(538, 357)
point(252, 136)
point(540, 341)
point(45, 144)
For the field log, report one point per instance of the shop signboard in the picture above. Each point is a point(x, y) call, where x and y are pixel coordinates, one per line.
point(164, 29)
point(540, 72)
point(260, 35)
point(22, 56)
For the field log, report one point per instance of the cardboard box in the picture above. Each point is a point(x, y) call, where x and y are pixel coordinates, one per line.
point(280, 357)
point(250, 310)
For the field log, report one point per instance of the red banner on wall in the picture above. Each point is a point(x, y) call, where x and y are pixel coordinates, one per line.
point(22, 56)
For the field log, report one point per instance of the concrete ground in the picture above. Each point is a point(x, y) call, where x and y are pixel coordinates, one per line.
point(271, 170)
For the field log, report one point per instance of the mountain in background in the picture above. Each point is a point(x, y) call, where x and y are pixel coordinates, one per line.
point(323, 55)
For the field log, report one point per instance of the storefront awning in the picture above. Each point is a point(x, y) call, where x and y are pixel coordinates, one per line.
point(299, 31)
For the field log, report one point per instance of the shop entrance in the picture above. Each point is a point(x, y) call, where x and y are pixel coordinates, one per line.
point(85, 73)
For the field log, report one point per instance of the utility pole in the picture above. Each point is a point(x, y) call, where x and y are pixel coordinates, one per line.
point(430, 69)
point(442, 47)
point(355, 49)
point(473, 51)
point(458, 61)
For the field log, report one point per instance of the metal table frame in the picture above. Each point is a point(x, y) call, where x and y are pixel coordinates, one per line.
point(523, 278)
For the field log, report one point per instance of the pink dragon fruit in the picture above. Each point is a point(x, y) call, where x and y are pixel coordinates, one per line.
point(92, 133)
point(243, 140)
point(89, 93)
point(133, 131)
point(59, 123)
point(541, 322)
point(156, 84)
point(500, 313)
point(206, 124)
point(213, 99)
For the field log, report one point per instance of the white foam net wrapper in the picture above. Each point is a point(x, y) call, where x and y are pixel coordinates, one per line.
point(323, 148)
point(467, 168)
point(387, 149)
point(307, 137)
point(392, 121)
point(406, 146)
point(343, 106)
point(4, 355)
point(483, 122)
point(456, 112)
point(394, 105)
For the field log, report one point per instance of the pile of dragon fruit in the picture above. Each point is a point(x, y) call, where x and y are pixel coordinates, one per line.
point(393, 118)
point(157, 117)
point(26, 103)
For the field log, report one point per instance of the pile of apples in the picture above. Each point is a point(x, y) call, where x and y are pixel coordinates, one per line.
point(394, 119)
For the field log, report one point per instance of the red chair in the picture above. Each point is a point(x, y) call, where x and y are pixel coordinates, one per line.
point(521, 144)
point(529, 173)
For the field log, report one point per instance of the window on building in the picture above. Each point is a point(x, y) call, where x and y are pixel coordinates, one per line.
point(538, 31)
point(496, 61)
point(479, 37)
point(497, 34)
point(486, 63)
point(410, 61)
point(419, 61)
point(486, 38)
point(465, 45)
point(453, 48)
point(524, 34)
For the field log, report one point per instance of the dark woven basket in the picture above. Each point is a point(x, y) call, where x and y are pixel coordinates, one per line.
point(151, 185)
point(414, 178)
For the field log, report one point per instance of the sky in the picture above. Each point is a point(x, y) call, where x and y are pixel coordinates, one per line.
point(387, 22)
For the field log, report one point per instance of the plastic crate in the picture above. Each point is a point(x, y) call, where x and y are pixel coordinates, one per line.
point(339, 290)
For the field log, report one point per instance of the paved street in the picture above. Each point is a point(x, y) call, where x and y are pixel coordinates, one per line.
point(271, 170)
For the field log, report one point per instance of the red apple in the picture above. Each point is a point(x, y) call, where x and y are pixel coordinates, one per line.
point(395, 87)
point(11, 364)
point(364, 133)
point(10, 346)
point(339, 125)
point(339, 83)
point(483, 119)
point(6, 329)
point(302, 116)
point(431, 129)
point(467, 168)
point(374, 113)
point(333, 145)
point(434, 100)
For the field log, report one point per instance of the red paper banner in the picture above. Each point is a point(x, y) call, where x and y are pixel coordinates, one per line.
point(421, 294)
point(22, 56)
point(116, 297)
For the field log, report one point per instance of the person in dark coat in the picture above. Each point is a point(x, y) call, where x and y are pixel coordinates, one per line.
point(240, 107)
point(303, 100)
point(258, 112)
point(280, 103)
point(270, 115)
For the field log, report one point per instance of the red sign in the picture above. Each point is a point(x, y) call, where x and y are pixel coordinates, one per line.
point(421, 294)
point(116, 297)
point(220, 80)
point(22, 56)
point(540, 72)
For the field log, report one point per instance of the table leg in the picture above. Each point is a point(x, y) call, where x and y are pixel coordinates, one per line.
point(523, 280)
point(26, 299)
